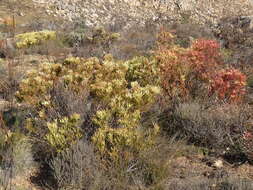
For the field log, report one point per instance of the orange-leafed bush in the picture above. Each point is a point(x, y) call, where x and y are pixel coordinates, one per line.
point(204, 56)
point(209, 48)
point(183, 69)
point(8, 21)
point(196, 70)
point(173, 70)
point(172, 67)
point(229, 84)
point(165, 39)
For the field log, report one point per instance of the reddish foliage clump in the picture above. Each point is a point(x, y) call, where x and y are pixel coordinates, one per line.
point(229, 84)
point(181, 67)
point(173, 71)
point(209, 48)
point(204, 57)
point(171, 64)
point(184, 70)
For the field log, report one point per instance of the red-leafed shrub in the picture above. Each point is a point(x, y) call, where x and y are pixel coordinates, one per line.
point(183, 69)
point(196, 70)
point(229, 84)
point(204, 57)
point(173, 70)
point(209, 48)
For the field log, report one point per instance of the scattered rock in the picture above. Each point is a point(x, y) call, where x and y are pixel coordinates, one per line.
point(104, 12)
point(217, 174)
point(4, 105)
point(235, 32)
point(218, 164)
point(21, 14)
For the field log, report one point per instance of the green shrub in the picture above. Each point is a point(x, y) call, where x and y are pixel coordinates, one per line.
point(103, 38)
point(143, 70)
point(63, 132)
point(33, 38)
point(148, 170)
point(118, 120)
point(119, 123)
point(250, 81)
point(75, 38)
point(23, 157)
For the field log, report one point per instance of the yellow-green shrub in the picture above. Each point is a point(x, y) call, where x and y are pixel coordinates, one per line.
point(26, 40)
point(123, 141)
point(101, 37)
point(144, 70)
point(64, 132)
point(74, 73)
point(123, 103)
point(9, 138)
point(35, 87)
point(119, 122)
point(35, 90)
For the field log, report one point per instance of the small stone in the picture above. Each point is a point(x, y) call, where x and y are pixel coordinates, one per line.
point(218, 164)
point(21, 14)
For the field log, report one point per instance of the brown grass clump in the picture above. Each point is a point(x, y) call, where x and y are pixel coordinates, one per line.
point(219, 127)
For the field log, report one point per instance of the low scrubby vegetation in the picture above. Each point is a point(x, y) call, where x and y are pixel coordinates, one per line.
point(115, 113)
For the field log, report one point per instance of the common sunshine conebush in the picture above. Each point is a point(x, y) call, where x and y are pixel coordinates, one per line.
point(26, 40)
point(63, 132)
point(120, 126)
point(111, 84)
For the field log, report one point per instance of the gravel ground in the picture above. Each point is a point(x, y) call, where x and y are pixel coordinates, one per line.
point(104, 12)
point(97, 12)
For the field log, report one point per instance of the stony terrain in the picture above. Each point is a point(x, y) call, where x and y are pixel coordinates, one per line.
point(105, 12)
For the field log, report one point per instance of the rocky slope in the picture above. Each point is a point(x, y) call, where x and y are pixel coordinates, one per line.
point(101, 12)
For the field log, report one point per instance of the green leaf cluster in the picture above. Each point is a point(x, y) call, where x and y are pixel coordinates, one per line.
point(29, 39)
point(64, 132)
point(144, 70)
point(102, 37)
point(124, 89)
point(119, 122)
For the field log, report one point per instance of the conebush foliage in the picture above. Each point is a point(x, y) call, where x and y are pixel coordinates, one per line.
point(124, 94)
point(29, 39)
